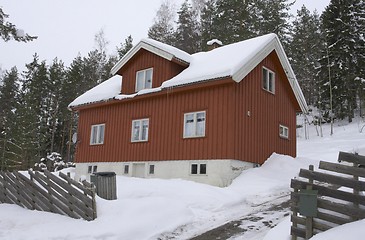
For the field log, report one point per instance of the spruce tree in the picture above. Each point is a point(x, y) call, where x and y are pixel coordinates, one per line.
point(33, 113)
point(343, 24)
point(208, 29)
point(9, 149)
point(232, 21)
point(304, 51)
point(125, 47)
point(187, 32)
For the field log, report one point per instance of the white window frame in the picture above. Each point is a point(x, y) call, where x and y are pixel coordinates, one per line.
point(199, 168)
point(146, 84)
point(195, 124)
point(268, 83)
point(283, 131)
point(100, 134)
point(140, 130)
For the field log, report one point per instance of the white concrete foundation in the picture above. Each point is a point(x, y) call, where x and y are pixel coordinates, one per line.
point(218, 172)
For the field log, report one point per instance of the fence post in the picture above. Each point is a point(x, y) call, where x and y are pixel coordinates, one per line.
point(295, 213)
point(356, 192)
point(309, 220)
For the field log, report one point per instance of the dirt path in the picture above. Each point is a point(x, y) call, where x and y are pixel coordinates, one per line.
point(253, 226)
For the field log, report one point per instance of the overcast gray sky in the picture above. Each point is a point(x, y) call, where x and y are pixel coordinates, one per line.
point(67, 27)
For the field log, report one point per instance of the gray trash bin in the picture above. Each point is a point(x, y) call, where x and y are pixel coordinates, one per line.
point(105, 183)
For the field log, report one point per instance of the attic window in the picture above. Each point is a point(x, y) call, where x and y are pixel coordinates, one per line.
point(144, 79)
point(268, 80)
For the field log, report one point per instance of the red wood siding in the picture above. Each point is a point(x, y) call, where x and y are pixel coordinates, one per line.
point(257, 135)
point(162, 70)
point(230, 132)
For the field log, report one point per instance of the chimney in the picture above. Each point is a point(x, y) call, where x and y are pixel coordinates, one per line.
point(214, 43)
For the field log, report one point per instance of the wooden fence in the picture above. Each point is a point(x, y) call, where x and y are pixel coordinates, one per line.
point(334, 204)
point(48, 192)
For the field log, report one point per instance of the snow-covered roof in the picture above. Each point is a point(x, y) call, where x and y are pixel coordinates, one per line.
point(161, 49)
point(234, 60)
point(103, 92)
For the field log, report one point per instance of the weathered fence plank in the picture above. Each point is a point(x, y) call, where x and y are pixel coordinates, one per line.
point(325, 191)
point(48, 192)
point(334, 167)
point(352, 158)
point(334, 206)
point(331, 179)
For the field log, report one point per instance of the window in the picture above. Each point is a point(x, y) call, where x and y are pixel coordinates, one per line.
point(126, 169)
point(144, 79)
point(140, 130)
point(198, 169)
point(97, 134)
point(268, 80)
point(92, 169)
point(283, 131)
point(152, 169)
point(194, 124)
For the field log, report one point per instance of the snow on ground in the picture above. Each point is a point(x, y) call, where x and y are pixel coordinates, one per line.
point(157, 208)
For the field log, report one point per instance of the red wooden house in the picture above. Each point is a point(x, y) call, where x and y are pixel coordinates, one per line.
point(204, 117)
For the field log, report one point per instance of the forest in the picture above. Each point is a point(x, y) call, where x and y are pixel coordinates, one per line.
point(326, 51)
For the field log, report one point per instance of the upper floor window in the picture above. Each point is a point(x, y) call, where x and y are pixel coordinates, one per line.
point(140, 130)
point(283, 131)
point(144, 79)
point(194, 124)
point(268, 80)
point(97, 134)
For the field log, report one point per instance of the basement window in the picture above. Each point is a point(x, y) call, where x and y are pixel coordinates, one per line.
point(268, 80)
point(283, 131)
point(152, 169)
point(144, 79)
point(198, 169)
point(126, 169)
point(92, 169)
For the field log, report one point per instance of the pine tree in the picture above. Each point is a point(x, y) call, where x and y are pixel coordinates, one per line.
point(343, 23)
point(9, 150)
point(208, 29)
point(187, 32)
point(8, 31)
point(163, 27)
point(232, 21)
point(304, 51)
point(125, 47)
point(33, 119)
point(270, 16)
